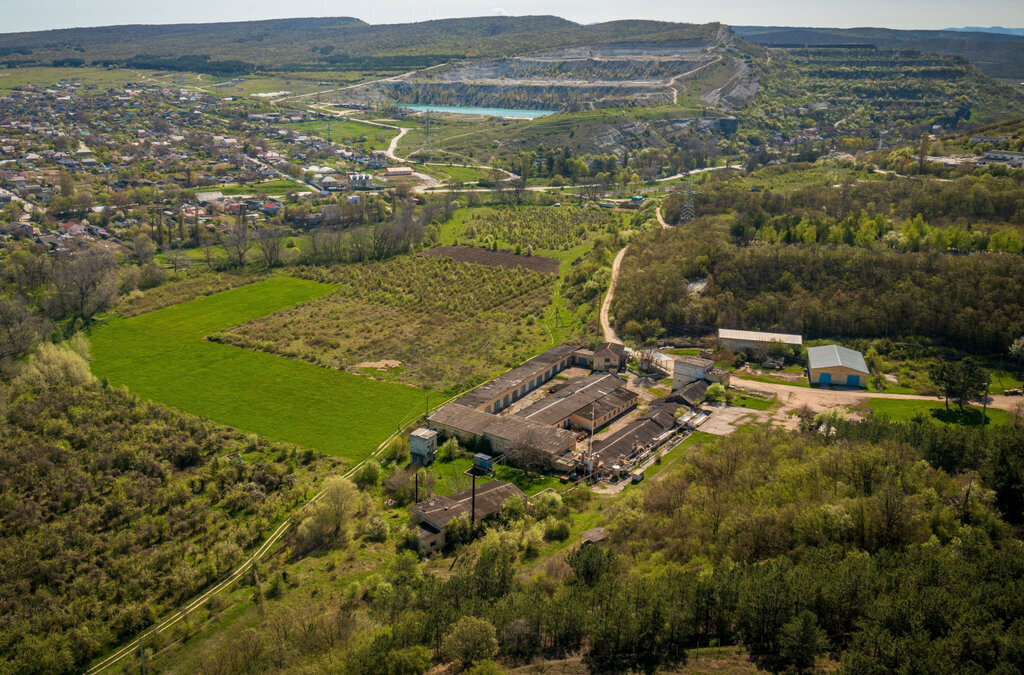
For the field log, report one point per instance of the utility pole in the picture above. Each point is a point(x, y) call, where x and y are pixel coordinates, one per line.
point(984, 403)
point(472, 517)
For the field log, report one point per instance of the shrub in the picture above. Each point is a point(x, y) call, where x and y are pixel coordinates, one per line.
point(376, 528)
point(449, 450)
point(716, 393)
point(471, 640)
point(556, 530)
point(368, 475)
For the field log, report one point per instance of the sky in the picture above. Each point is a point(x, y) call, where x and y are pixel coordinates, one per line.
point(25, 15)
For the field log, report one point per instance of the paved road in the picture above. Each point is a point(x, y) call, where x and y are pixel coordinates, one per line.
point(606, 327)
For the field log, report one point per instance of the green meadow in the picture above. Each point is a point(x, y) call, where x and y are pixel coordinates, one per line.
point(164, 356)
point(906, 410)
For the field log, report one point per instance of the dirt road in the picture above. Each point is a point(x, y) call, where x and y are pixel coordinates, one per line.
point(662, 220)
point(606, 327)
point(795, 398)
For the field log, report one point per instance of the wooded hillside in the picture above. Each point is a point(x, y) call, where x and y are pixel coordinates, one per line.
point(113, 510)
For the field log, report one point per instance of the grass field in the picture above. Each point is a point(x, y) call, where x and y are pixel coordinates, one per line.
point(451, 477)
point(903, 411)
point(449, 324)
point(349, 131)
point(44, 77)
point(163, 355)
point(270, 187)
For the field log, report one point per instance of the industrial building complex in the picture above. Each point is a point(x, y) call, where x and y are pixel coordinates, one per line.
point(534, 417)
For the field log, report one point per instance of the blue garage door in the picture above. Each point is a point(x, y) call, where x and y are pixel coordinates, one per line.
point(825, 378)
point(853, 380)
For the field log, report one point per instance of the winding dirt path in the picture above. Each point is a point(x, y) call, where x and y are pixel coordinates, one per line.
point(662, 220)
point(672, 83)
point(606, 327)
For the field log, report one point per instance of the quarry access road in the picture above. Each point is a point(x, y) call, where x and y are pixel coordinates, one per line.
point(672, 83)
point(606, 327)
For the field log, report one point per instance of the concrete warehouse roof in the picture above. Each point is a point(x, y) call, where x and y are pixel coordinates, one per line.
point(570, 398)
point(757, 336)
point(659, 422)
point(829, 356)
point(439, 511)
point(516, 377)
point(606, 404)
point(706, 364)
point(508, 427)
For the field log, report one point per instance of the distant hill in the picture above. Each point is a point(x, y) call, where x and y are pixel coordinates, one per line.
point(991, 29)
point(996, 54)
point(311, 44)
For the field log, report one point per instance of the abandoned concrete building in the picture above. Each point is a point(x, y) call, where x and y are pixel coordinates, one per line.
point(433, 515)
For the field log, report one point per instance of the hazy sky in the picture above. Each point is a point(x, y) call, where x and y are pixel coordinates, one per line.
point(22, 15)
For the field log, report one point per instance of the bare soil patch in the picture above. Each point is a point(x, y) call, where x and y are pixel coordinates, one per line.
point(385, 363)
point(482, 256)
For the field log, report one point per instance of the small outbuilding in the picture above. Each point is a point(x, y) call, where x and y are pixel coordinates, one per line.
point(423, 446)
point(832, 364)
point(609, 357)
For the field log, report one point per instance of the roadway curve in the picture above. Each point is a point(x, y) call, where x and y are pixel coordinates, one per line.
point(606, 327)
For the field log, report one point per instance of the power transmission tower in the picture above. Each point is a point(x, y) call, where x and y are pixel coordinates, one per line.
point(689, 212)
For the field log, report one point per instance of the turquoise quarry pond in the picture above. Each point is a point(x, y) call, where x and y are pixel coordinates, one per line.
point(492, 112)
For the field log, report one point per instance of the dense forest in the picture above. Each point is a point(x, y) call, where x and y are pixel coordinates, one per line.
point(113, 510)
point(973, 302)
point(795, 546)
point(813, 191)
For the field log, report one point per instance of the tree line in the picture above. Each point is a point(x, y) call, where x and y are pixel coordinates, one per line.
point(972, 302)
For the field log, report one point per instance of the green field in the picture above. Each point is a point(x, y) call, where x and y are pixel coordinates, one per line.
point(906, 410)
point(45, 77)
point(163, 355)
point(349, 131)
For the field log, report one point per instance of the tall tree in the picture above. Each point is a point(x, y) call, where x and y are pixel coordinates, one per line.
point(960, 381)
